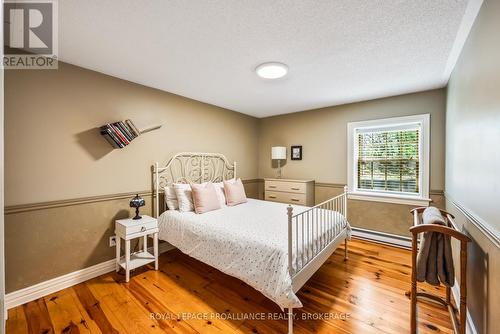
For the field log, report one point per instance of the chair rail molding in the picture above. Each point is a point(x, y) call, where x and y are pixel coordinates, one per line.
point(489, 231)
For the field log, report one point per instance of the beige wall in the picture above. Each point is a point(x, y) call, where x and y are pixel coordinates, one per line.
point(54, 151)
point(323, 136)
point(473, 161)
point(49, 242)
point(473, 120)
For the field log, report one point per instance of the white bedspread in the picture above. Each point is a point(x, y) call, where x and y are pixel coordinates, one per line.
point(247, 241)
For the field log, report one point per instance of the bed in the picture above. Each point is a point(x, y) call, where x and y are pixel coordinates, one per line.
point(273, 247)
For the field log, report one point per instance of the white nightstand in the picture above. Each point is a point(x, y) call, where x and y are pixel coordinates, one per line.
point(128, 229)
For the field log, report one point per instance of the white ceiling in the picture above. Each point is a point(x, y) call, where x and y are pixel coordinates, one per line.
point(338, 51)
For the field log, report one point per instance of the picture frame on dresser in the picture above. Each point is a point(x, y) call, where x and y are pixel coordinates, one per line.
point(296, 152)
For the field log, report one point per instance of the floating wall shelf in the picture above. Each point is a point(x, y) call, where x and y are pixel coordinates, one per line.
point(120, 134)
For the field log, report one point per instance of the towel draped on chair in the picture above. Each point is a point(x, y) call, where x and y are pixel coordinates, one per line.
point(435, 259)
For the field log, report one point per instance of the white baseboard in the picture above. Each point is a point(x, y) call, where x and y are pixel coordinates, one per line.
point(381, 237)
point(42, 289)
point(455, 291)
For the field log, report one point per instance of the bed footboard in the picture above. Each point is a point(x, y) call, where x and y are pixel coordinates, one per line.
point(313, 235)
point(313, 230)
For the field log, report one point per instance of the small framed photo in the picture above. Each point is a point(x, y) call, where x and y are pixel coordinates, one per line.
point(296, 152)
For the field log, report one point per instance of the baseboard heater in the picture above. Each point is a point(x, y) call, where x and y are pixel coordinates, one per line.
point(382, 237)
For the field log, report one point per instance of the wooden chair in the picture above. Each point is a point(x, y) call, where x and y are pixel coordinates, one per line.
point(452, 231)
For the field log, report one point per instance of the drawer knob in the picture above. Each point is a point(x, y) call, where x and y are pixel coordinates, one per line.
point(143, 228)
point(295, 188)
point(272, 186)
point(272, 196)
point(295, 200)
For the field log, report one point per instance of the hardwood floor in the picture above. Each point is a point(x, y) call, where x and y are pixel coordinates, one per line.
point(366, 294)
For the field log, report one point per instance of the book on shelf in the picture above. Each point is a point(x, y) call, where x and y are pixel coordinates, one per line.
point(120, 135)
point(124, 131)
point(129, 129)
point(110, 140)
point(109, 130)
point(132, 127)
point(108, 133)
point(116, 137)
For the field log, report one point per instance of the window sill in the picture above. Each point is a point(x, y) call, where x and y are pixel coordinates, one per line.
point(389, 198)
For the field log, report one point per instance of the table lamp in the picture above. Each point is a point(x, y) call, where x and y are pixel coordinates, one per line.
point(136, 203)
point(278, 153)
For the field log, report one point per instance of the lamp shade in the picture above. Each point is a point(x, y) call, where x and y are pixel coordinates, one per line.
point(278, 153)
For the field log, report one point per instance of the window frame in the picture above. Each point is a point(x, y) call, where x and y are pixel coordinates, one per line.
point(353, 128)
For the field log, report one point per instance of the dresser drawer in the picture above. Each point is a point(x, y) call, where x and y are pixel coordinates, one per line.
point(283, 197)
point(292, 187)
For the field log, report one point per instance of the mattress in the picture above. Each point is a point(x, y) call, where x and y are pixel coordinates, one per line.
point(248, 241)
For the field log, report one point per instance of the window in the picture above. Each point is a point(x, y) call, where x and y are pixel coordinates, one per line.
point(389, 160)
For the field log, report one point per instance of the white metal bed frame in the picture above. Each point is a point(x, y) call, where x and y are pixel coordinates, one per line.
point(214, 167)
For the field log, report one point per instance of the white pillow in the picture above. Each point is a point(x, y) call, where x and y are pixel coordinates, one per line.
point(184, 197)
point(219, 189)
point(171, 198)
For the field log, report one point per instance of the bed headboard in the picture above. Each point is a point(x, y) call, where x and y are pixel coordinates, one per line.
point(191, 167)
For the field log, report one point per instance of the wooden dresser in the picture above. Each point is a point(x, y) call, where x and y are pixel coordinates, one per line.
point(299, 192)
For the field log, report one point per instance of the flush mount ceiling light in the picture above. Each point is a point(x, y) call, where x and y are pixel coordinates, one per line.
point(271, 70)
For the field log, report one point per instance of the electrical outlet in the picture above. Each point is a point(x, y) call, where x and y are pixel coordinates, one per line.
point(112, 241)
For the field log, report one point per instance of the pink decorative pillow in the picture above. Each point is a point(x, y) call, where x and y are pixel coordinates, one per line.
point(205, 197)
point(235, 192)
